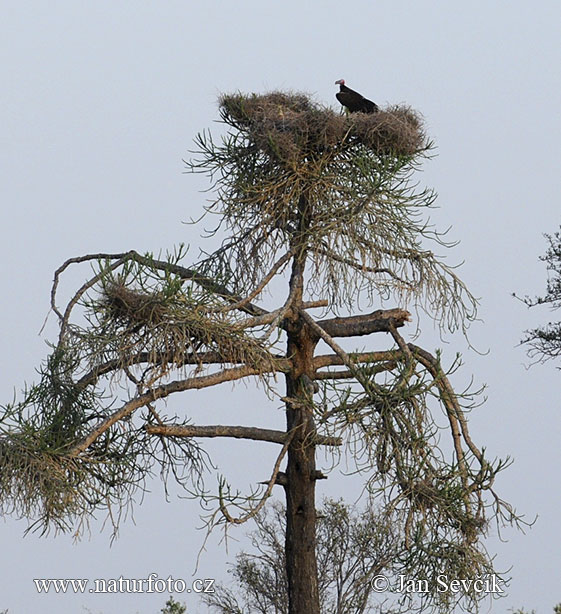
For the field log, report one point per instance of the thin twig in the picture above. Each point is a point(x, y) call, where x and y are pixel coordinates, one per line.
point(268, 490)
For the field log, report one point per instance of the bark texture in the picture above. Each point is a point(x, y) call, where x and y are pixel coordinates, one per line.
point(301, 475)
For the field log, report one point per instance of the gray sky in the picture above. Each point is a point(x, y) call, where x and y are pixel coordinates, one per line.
point(101, 100)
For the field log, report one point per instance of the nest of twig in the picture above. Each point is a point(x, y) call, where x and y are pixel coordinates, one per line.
point(290, 127)
point(176, 329)
point(134, 307)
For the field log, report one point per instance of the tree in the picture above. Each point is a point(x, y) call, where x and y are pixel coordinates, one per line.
point(352, 548)
point(544, 343)
point(173, 607)
point(327, 204)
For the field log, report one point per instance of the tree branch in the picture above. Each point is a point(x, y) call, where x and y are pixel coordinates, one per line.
point(346, 374)
point(380, 320)
point(361, 267)
point(332, 360)
point(183, 272)
point(237, 432)
point(160, 392)
point(148, 357)
point(448, 396)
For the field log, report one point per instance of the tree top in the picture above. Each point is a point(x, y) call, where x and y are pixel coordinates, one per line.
point(293, 177)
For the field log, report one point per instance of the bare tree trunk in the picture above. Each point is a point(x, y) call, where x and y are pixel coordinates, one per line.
point(301, 564)
point(303, 597)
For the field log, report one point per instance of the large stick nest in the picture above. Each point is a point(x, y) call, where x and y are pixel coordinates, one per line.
point(291, 127)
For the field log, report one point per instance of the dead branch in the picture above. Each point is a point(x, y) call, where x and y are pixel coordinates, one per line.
point(64, 319)
point(448, 395)
point(314, 304)
point(236, 432)
point(357, 266)
point(380, 320)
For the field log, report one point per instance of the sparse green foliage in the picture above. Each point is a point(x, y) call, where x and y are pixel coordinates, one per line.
point(173, 607)
point(38, 478)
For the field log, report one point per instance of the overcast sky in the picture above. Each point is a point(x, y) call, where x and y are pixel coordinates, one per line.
point(100, 101)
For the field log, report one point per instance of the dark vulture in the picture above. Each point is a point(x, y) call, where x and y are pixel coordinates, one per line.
point(355, 102)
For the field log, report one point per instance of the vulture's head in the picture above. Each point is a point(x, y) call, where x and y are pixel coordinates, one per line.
point(340, 82)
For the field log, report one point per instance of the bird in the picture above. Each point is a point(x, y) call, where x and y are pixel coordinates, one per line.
point(353, 101)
